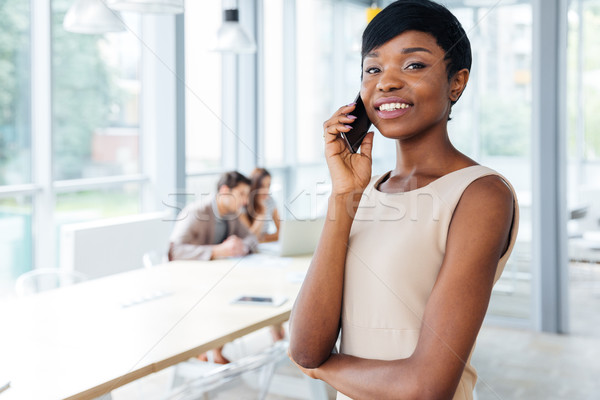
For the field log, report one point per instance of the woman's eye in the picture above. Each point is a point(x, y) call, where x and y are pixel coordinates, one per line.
point(415, 65)
point(371, 70)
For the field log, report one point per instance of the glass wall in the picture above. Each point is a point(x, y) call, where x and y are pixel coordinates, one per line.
point(492, 123)
point(583, 120)
point(15, 141)
point(95, 100)
point(202, 87)
point(15, 239)
point(95, 107)
point(273, 102)
point(583, 135)
point(326, 61)
point(315, 71)
point(94, 133)
point(15, 126)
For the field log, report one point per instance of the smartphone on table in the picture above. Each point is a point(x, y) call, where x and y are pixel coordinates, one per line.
point(360, 126)
point(273, 301)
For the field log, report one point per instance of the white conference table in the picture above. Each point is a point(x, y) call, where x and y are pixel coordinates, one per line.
point(82, 341)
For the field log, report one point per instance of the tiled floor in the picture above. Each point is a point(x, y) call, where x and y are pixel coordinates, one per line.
point(519, 364)
point(512, 364)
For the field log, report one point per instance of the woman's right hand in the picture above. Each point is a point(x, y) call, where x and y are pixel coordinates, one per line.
point(350, 172)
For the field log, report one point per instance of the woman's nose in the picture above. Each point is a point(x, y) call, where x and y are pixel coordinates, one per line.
point(389, 81)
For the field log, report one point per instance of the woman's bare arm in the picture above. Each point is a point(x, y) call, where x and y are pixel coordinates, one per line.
point(477, 238)
point(315, 319)
point(272, 237)
point(255, 228)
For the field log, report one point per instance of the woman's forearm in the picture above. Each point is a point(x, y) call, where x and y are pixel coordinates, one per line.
point(315, 319)
point(270, 237)
point(360, 378)
point(256, 228)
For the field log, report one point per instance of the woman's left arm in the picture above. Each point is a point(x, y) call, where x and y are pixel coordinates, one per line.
point(272, 237)
point(478, 236)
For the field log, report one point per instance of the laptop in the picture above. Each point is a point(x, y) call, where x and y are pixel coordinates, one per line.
point(296, 237)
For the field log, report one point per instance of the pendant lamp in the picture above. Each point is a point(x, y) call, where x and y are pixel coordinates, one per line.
point(148, 6)
point(231, 37)
point(92, 17)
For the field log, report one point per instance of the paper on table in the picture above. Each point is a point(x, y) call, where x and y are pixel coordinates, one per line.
point(265, 260)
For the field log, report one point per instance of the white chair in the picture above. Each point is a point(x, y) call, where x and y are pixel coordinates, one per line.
point(263, 363)
point(42, 279)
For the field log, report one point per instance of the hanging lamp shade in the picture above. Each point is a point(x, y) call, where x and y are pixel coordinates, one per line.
point(231, 37)
point(148, 6)
point(92, 17)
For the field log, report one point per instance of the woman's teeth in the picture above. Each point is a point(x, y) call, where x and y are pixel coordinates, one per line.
point(392, 106)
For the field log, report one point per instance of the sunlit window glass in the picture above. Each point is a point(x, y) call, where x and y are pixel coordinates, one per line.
point(95, 100)
point(202, 86)
point(273, 134)
point(584, 80)
point(492, 124)
point(15, 133)
point(583, 129)
point(314, 71)
point(16, 245)
point(95, 204)
point(88, 205)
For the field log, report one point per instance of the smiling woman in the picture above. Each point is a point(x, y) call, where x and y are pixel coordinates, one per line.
point(409, 290)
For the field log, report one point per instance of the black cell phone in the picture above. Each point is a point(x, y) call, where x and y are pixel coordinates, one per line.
point(360, 126)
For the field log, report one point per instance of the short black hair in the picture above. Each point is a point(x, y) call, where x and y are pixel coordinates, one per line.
point(231, 179)
point(423, 16)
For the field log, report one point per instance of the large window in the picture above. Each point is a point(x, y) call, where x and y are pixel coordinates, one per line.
point(15, 127)
point(583, 119)
point(15, 239)
point(583, 130)
point(15, 140)
point(95, 98)
point(95, 121)
point(315, 87)
point(492, 124)
point(204, 121)
point(320, 60)
point(91, 141)
point(273, 82)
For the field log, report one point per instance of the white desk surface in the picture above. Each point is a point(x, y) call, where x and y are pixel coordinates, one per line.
point(79, 342)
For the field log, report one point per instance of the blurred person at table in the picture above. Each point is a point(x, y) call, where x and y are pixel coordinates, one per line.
point(212, 229)
point(261, 214)
point(209, 230)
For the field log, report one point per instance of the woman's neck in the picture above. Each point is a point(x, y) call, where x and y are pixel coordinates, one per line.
point(422, 160)
point(424, 154)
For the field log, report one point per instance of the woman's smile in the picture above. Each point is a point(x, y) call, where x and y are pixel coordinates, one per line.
point(392, 107)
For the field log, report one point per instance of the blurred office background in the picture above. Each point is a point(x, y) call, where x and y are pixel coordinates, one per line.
point(143, 120)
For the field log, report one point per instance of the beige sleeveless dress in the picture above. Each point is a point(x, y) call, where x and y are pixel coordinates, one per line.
point(396, 247)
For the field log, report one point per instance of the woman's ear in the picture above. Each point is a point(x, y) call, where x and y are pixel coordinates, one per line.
point(458, 84)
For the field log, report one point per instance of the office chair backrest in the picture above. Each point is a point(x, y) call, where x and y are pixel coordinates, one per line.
point(42, 279)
